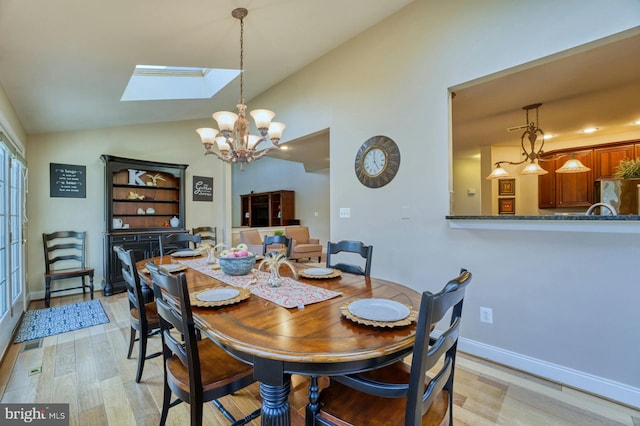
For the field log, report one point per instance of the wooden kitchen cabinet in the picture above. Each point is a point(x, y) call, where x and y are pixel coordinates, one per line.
point(606, 160)
point(562, 190)
point(274, 208)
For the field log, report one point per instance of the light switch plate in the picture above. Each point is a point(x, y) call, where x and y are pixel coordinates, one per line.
point(345, 212)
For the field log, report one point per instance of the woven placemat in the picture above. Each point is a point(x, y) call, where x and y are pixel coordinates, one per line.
point(413, 315)
point(242, 295)
point(335, 274)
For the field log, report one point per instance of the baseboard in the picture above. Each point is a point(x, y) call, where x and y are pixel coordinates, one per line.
point(580, 380)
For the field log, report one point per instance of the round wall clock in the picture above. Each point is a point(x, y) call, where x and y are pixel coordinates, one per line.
point(377, 161)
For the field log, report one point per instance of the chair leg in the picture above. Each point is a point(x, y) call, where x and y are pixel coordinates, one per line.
point(313, 407)
point(91, 285)
point(47, 292)
point(166, 401)
point(142, 351)
point(84, 285)
point(132, 339)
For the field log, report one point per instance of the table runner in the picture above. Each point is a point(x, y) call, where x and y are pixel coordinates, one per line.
point(290, 294)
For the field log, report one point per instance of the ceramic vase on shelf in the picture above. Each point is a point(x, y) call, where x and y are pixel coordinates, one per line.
point(175, 222)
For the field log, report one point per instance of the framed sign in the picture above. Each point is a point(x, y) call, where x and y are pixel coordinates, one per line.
point(506, 206)
point(507, 187)
point(67, 180)
point(202, 188)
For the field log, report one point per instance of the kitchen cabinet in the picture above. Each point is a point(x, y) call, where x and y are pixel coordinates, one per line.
point(274, 208)
point(606, 159)
point(141, 198)
point(562, 190)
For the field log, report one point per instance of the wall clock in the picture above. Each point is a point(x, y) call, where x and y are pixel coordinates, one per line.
point(377, 161)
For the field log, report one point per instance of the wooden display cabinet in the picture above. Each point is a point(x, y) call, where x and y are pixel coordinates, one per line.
point(264, 209)
point(141, 198)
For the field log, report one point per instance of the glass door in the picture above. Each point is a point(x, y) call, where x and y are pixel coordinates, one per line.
point(12, 214)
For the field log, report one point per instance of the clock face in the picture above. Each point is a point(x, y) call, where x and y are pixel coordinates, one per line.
point(377, 161)
point(374, 161)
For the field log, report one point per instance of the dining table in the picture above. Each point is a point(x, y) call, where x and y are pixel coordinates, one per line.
point(306, 326)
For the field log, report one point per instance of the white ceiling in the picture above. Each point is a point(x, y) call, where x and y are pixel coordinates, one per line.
point(595, 85)
point(64, 64)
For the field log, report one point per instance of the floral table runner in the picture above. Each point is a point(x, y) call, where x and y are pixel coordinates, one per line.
point(291, 294)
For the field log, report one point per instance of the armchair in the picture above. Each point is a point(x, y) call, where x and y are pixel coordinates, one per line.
point(253, 240)
point(303, 246)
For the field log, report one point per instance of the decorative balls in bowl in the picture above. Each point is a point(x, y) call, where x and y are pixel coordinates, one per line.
point(237, 260)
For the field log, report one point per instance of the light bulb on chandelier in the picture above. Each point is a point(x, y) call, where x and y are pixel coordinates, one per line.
point(234, 143)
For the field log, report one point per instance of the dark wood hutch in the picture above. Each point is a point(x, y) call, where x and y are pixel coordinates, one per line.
point(141, 198)
point(262, 209)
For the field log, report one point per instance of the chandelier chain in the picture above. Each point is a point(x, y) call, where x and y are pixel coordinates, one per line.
point(241, 60)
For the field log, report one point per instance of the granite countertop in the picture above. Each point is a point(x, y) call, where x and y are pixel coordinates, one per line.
point(560, 217)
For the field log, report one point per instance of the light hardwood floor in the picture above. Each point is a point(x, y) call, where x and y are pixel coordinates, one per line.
point(88, 369)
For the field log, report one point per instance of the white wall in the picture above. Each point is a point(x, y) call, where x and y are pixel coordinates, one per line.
point(311, 191)
point(165, 142)
point(565, 301)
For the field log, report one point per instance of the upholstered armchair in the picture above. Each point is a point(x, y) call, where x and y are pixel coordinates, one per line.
point(253, 240)
point(302, 246)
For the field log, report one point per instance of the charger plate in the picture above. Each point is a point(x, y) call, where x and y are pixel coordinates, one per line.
point(314, 273)
point(346, 312)
point(173, 267)
point(213, 297)
point(186, 253)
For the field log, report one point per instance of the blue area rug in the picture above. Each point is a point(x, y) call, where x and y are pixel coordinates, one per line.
point(61, 319)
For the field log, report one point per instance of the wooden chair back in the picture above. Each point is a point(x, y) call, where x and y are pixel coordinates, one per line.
point(170, 243)
point(65, 257)
point(357, 247)
point(208, 234)
point(279, 241)
point(400, 391)
point(142, 309)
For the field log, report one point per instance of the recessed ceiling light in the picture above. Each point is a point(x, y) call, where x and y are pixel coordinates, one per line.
point(548, 136)
point(637, 122)
point(590, 130)
point(284, 147)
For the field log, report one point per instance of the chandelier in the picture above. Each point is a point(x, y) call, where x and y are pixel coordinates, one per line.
point(234, 143)
point(532, 133)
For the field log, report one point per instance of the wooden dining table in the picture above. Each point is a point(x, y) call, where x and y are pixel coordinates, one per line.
point(314, 340)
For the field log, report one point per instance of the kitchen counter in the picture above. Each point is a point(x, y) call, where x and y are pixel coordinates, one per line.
point(562, 222)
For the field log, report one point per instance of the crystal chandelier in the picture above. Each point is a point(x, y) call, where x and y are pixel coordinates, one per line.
point(533, 155)
point(235, 144)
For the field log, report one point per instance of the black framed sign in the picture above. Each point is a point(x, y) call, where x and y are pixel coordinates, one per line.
point(202, 188)
point(67, 180)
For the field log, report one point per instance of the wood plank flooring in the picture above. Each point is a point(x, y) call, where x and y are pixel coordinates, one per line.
point(89, 370)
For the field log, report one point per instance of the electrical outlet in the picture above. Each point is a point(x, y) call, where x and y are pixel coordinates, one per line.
point(486, 315)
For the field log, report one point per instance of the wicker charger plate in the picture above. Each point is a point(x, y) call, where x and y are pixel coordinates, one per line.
point(413, 315)
point(242, 295)
point(336, 273)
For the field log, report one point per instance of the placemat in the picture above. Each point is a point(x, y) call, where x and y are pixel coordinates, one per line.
point(413, 315)
point(244, 294)
point(291, 294)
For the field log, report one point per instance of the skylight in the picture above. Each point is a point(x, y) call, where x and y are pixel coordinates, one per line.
point(160, 82)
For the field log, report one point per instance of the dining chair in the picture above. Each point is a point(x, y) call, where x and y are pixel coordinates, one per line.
point(142, 316)
point(403, 392)
point(208, 234)
point(278, 243)
point(195, 370)
point(170, 243)
point(356, 247)
point(64, 258)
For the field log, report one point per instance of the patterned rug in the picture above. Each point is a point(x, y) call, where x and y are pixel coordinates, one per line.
point(61, 319)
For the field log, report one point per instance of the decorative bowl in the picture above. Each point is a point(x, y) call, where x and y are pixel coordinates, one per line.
point(237, 265)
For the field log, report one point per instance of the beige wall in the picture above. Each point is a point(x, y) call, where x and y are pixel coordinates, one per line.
point(166, 142)
point(552, 293)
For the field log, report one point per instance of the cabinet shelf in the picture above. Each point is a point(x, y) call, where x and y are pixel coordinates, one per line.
point(275, 208)
point(139, 232)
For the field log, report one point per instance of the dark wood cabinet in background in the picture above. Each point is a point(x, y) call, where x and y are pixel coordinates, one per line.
point(263, 209)
point(141, 198)
point(563, 190)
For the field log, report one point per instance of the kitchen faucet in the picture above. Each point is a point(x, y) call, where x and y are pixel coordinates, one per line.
point(609, 206)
